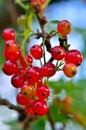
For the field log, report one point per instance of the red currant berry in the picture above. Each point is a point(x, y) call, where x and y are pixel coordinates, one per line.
point(64, 27)
point(11, 46)
point(58, 53)
point(8, 34)
point(73, 56)
point(36, 51)
point(70, 70)
point(48, 70)
point(43, 92)
point(17, 81)
point(38, 2)
point(10, 67)
point(40, 107)
point(32, 75)
point(22, 100)
point(13, 56)
point(28, 108)
point(28, 90)
point(28, 61)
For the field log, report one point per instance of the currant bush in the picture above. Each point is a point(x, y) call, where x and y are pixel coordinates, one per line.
point(30, 80)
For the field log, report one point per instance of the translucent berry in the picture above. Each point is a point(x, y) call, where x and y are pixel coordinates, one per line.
point(40, 107)
point(28, 61)
point(43, 92)
point(8, 34)
point(58, 53)
point(11, 46)
point(36, 51)
point(17, 81)
point(22, 100)
point(28, 90)
point(64, 27)
point(48, 70)
point(70, 70)
point(28, 108)
point(10, 67)
point(73, 56)
point(13, 56)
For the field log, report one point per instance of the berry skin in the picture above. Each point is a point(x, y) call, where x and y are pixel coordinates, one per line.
point(64, 27)
point(17, 81)
point(38, 2)
point(70, 70)
point(28, 108)
point(8, 34)
point(58, 53)
point(36, 51)
point(73, 56)
point(40, 107)
point(22, 100)
point(11, 46)
point(29, 61)
point(10, 67)
point(43, 92)
point(28, 90)
point(47, 70)
point(13, 56)
point(32, 75)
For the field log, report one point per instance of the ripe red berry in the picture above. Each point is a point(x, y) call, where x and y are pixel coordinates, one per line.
point(11, 46)
point(48, 70)
point(40, 107)
point(64, 27)
point(10, 67)
point(28, 90)
point(43, 92)
point(38, 2)
point(28, 108)
point(70, 70)
point(17, 80)
point(36, 51)
point(32, 75)
point(28, 61)
point(22, 100)
point(73, 56)
point(13, 56)
point(8, 34)
point(58, 52)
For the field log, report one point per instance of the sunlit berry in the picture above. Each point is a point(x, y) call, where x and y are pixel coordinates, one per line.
point(13, 56)
point(73, 56)
point(43, 92)
point(28, 108)
point(27, 61)
point(48, 70)
point(8, 34)
point(28, 90)
point(40, 107)
point(11, 46)
point(36, 51)
point(17, 80)
point(70, 70)
point(58, 52)
point(22, 100)
point(64, 27)
point(10, 67)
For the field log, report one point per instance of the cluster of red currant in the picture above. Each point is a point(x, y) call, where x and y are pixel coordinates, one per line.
point(33, 92)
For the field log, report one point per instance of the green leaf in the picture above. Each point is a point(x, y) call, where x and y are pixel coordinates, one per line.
point(76, 90)
point(54, 21)
point(1, 53)
point(39, 124)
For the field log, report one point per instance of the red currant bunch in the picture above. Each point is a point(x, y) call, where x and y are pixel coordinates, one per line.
point(30, 80)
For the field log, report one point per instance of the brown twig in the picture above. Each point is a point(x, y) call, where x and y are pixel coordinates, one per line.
point(11, 106)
